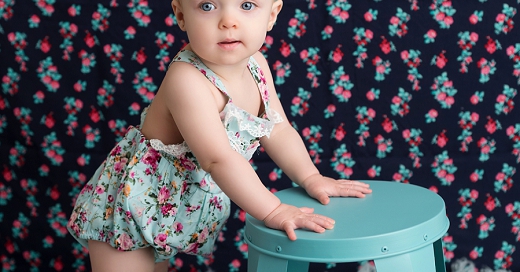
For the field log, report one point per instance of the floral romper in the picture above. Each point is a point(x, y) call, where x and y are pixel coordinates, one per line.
point(149, 194)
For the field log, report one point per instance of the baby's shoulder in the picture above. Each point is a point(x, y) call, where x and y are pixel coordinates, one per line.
point(184, 72)
point(261, 60)
point(182, 79)
point(182, 68)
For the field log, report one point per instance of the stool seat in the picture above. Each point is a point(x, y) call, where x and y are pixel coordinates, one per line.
point(399, 226)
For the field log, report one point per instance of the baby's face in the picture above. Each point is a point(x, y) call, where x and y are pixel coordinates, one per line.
point(226, 31)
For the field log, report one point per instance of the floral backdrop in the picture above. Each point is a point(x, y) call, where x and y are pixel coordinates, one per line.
point(422, 92)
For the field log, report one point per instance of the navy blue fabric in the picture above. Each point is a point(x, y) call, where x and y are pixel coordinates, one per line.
point(424, 92)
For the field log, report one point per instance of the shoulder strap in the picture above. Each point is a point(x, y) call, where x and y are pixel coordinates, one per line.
point(191, 58)
point(261, 82)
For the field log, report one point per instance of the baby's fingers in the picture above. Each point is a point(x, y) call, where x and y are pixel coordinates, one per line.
point(355, 189)
point(306, 210)
point(313, 222)
point(361, 184)
point(289, 230)
point(319, 223)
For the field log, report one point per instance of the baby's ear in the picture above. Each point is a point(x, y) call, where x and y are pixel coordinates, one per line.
point(179, 15)
point(275, 10)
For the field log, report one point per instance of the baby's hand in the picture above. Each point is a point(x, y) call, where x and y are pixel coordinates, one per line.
point(321, 188)
point(288, 218)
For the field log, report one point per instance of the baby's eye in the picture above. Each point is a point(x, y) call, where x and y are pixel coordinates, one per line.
point(248, 6)
point(207, 6)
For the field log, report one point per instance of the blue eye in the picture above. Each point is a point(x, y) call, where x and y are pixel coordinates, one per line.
point(248, 6)
point(207, 6)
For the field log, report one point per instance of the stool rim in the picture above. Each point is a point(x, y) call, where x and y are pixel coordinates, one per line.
point(310, 246)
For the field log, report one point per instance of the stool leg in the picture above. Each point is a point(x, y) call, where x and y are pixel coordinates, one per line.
point(259, 262)
point(420, 260)
point(296, 266)
point(440, 264)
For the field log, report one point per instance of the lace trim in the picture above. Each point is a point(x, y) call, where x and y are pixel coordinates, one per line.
point(246, 149)
point(262, 128)
point(274, 116)
point(257, 128)
point(173, 149)
point(143, 115)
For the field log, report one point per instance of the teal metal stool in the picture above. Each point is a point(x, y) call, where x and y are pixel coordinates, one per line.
point(399, 226)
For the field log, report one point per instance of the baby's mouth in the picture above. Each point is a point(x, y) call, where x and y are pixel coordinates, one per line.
point(229, 42)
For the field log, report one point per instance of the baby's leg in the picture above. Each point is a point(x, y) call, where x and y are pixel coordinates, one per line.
point(104, 257)
point(161, 267)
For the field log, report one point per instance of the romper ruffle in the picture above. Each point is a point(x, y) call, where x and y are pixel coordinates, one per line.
point(149, 194)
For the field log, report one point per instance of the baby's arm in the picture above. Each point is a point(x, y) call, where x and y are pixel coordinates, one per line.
point(190, 99)
point(286, 148)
